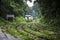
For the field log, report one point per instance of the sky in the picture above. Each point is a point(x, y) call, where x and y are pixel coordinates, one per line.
point(30, 4)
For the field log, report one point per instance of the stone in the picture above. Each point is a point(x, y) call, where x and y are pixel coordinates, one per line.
point(10, 17)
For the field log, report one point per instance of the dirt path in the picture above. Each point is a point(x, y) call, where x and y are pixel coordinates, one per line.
point(5, 36)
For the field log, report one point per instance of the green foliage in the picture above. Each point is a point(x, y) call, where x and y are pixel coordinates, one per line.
point(20, 20)
point(50, 19)
point(48, 22)
point(15, 7)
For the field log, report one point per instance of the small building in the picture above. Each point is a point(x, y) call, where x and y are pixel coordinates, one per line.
point(10, 17)
point(28, 17)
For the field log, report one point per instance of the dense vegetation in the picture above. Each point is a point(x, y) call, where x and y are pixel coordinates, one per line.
point(50, 12)
point(47, 26)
